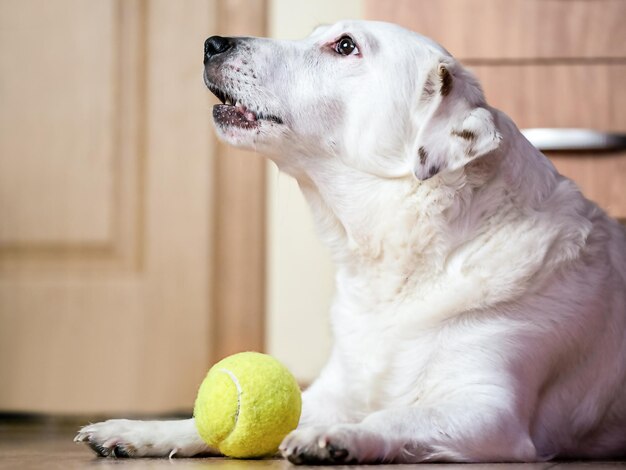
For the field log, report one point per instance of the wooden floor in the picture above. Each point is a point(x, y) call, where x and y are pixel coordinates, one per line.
point(48, 445)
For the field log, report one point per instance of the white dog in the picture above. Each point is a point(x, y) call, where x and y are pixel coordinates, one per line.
point(480, 312)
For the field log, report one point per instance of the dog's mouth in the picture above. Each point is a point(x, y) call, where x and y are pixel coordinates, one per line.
point(232, 112)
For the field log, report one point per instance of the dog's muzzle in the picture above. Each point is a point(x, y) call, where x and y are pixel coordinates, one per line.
point(216, 45)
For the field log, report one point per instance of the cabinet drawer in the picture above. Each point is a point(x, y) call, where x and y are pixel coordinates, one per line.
point(513, 29)
point(569, 96)
point(557, 95)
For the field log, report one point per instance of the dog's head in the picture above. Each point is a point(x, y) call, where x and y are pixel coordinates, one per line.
point(383, 99)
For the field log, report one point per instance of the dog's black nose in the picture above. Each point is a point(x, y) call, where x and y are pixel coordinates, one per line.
point(216, 45)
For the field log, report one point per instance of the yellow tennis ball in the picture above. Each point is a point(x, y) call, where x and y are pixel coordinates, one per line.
point(246, 405)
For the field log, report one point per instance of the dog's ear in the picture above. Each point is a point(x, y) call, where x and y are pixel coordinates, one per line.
point(456, 128)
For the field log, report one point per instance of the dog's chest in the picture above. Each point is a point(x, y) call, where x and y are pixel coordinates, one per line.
point(383, 364)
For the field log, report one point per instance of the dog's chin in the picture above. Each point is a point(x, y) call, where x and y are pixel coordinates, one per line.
point(241, 128)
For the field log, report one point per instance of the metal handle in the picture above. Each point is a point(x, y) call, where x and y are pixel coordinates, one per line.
point(575, 140)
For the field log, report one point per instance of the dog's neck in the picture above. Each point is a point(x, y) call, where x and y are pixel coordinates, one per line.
point(367, 220)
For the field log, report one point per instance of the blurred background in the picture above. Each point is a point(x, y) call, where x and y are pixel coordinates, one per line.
point(135, 250)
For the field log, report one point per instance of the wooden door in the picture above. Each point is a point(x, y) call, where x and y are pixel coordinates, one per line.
point(106, 205)
point(546, 63)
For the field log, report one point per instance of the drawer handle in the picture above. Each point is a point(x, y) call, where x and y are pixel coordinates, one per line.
point(575, 140)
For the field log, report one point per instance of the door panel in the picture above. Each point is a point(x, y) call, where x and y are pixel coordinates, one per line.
point(71, 134)
point(105, 205)
point(55, 91)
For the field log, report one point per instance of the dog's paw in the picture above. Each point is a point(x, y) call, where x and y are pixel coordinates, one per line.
point(335, 445)
point(127, 438)
point(115, 438)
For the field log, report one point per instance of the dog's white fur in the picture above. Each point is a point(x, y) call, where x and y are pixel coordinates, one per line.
point(480, 312)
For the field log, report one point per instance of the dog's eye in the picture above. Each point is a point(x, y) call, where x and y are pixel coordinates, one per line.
point(346, 46)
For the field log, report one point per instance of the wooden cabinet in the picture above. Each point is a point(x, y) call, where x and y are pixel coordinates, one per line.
point(589, 96)
point(546, 63)
point(513, 29)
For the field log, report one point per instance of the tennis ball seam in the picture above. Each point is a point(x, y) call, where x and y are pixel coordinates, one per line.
point(235, 380)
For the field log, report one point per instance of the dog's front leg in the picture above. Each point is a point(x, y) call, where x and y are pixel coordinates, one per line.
point(131, 438)
point(327, 401)
point(463, 433)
